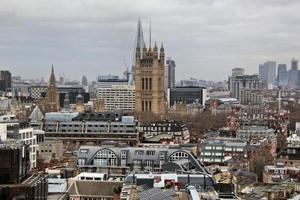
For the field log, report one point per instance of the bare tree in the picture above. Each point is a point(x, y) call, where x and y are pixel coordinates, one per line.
point(259, 159)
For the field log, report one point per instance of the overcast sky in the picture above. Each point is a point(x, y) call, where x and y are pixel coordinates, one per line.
point(206, 38)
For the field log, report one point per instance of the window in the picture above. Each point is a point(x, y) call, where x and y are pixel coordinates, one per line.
point(123, 162)
point(146, 79)
point(146, 105)
point(178, 155)
point(81, 161)
point(140, 153)
point(149, 163)
point(150, 106)
point(150, 153)
point(228, 148)
point(105, 157)
point(137, 163)
point(143, 84)
point(239, 149)
point(150, 83)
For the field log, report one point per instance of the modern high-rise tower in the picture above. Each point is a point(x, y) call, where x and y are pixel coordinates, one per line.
point(293, 74)
point(149, 81)
point(294, 64)
point(267, 74)
point(282, 75)
point(139, 42)
point(170, 73)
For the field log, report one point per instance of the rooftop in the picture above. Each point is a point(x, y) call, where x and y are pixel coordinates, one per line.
point(93, 188)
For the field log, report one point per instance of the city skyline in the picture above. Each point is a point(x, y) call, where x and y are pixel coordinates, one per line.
point(97, 37)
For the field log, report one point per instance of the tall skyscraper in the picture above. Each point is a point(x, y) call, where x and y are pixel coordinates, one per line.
point(293, 74)
point(282, 75)
point(84, 81)
point(149, 83)
point(263, 74)
point(171, 73)
point(139, 43)
point(52, 96)
point(267, 74)
point(294, 64)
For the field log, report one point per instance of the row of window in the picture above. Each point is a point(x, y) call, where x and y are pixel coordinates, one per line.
point(224, 148)
point(146, 105)
point(26, 135)
point(106, 157)
point(141, 152)
point(80, 125)
point(156, 128)
point(211, 160)
point(146, 83)
point(46, 151)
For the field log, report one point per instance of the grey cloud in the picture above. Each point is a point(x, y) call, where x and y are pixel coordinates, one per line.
point(90, 37)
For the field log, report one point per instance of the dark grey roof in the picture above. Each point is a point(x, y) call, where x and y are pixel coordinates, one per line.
point(156, 194)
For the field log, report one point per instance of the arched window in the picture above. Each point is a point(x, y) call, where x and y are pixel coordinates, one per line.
point(150, 106)
point(146, 105)
point(146, 79)
point(178, 156)
point(150, 83)
point(143, 105)
point(105, 157)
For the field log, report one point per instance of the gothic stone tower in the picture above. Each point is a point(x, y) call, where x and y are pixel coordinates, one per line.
point(149, 83)
point(52, 96)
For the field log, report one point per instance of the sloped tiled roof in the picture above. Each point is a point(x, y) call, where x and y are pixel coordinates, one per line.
point(156, 194)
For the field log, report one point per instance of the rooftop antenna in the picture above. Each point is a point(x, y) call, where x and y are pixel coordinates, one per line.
point(150, 35)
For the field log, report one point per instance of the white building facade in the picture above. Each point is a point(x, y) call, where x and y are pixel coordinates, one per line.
point(117, 97)
point(27, 136)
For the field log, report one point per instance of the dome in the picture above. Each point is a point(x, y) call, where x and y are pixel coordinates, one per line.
point(79, 97)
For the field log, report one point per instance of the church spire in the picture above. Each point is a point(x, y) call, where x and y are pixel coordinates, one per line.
point(52, 80)
point(51, 101)
point(162, 53)
point(155, 47)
